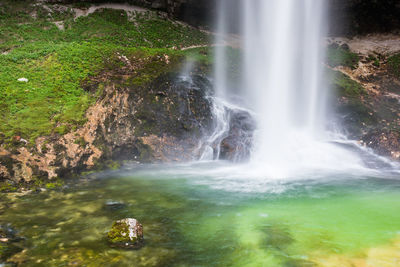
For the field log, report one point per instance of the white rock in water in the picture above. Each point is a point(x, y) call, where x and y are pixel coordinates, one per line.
point(23, 80)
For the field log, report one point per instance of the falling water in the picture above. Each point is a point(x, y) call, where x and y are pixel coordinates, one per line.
point(220, 60)
point(282, 83)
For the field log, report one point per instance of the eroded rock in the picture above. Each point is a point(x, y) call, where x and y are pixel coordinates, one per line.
point(238, 144)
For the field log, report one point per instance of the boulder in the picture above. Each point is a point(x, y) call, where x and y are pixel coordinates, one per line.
point(239, 141)
point(126, 233)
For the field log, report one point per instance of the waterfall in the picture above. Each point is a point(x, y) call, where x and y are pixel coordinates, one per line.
point(282, 44)
point(283, 59)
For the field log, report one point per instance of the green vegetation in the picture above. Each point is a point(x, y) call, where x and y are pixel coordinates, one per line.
point(337, 56)
point(119, 233)
point(344, 85)
point(7, 187)
point(48, 184)
point(54, 185)
point(374, 59)
point(112, 165)
point(394, 65)
point(58, 63)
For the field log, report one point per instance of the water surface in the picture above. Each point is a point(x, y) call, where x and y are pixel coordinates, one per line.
point(193, 215)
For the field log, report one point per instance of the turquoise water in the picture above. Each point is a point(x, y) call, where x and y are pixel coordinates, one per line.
point(191, 219)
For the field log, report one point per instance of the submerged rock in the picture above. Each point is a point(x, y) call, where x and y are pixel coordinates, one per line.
point(114, 205)
point(9, 242)
point(126, 233)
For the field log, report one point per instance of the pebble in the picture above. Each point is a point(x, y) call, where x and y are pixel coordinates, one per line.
point(23, 80)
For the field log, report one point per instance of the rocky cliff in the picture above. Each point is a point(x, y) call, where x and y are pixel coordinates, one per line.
point(366, 81)
point(134, 118)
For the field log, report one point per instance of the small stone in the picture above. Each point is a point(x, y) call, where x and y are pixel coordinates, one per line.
point(126, 233)
point(25, 80)
point(114, 205)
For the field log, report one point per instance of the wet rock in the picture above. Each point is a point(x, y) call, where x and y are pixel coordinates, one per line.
point(383, 142)
point(126, 233)
point(237, 145)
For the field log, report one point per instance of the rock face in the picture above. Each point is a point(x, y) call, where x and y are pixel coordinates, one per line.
point(145, 112)
point(369, 106)
point(126, 233)
point(238, 144)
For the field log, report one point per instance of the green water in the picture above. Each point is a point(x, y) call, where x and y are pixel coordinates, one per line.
point(195, 221)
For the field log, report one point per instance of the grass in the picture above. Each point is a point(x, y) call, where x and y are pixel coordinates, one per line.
point(58, 62)
point(394, 65)
point(337, 56)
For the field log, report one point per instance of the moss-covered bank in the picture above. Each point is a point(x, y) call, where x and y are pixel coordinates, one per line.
point(62, 75)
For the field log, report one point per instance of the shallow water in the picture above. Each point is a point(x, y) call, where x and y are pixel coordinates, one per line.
point(193, 215)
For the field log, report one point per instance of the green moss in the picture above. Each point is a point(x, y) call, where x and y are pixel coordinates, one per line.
point(2, 249)
point(112, 165)
point(344, 85)
point(44, 149)
point(55, 184)
point(156, 62)
point(101, 164)
point(376, 63)
point(7, 187)
point(45, 183)
point(374, 59)
point(119, 233)
point(81, 142)
point(394, 65)
point(62, 129)
point(337, 56)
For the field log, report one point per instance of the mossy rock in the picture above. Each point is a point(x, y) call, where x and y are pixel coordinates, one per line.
point(126, 233)
point(338, 56)
point(344, 85)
